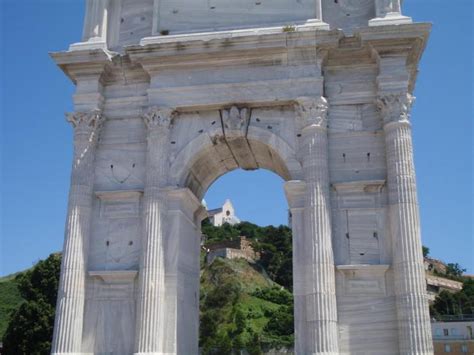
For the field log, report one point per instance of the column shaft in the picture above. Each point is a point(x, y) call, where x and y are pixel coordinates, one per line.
point(150, 327)
point(321, 313)
point(410, 284)
point(67, 336)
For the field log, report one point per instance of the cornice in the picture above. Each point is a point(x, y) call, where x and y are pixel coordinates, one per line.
point(210, 49)
point(84, 63)
point(408, 40)
point(231, 48)
point(384, 33)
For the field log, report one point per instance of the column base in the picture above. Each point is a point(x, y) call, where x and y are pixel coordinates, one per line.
point(93, 43)
point(317, 24)
point(392, 18)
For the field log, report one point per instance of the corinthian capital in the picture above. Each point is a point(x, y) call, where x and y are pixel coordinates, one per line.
point(158, 118)
point(86, 121)
point(395, 107)
point(312, 112)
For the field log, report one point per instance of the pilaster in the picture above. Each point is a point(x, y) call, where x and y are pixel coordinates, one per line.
point(389, 12)
point(295, 194)
point(101, 25)
point(321, 335)
point(182, 271)
point(318, 17)
point(151, 326)
point(71, 292)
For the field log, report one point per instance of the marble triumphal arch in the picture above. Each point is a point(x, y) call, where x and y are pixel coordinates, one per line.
point(170, 95)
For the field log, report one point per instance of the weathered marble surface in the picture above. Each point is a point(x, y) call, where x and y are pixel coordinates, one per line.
point(325, 110)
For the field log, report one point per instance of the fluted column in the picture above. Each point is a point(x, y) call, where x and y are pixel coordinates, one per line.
point(321, 314)
point(410, 286)
point(70, 304)
point(150, 327)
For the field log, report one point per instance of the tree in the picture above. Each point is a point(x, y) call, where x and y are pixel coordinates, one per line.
point(30, 329)
point(456, 304)
point(454, 269)
point(426, 251)
point(254, 347)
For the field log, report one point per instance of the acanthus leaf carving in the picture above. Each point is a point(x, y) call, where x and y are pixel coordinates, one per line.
point(86, 121)
point(158, 118)
point(312, 112)
point(87, 126)
point(235, 118)
point(395, 107)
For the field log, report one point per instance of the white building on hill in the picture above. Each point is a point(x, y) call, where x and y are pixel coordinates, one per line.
point(224, 214)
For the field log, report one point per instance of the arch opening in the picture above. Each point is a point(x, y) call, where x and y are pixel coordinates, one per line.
point(246, 264)
point(204, 160)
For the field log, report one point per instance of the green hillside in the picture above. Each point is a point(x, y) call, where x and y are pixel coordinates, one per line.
point(241, 308)
point(10, 299)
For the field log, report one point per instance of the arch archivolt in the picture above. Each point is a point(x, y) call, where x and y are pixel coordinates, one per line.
point(216, 142)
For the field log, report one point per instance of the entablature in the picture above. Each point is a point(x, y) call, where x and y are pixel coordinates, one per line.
point(251, 48)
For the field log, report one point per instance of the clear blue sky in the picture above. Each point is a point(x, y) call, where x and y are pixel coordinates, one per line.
point(36, 141)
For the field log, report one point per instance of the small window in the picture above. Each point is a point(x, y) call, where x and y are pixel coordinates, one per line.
point(227, 213)
point(438, 332)
point(454, 331)
point(445, 332)
point(464, 348)
point(447, 348)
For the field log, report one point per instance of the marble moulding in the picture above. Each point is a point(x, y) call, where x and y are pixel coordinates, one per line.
point(171, 96)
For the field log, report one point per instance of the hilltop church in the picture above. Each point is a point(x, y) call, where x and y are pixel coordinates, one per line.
point(224, 214)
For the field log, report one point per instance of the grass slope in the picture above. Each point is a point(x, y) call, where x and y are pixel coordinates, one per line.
point(238, 301)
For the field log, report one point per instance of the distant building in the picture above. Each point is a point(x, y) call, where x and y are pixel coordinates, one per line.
point(224, 214)
point(231, 249)
point(453, 337)
point(434, 265)
point(435, 282)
